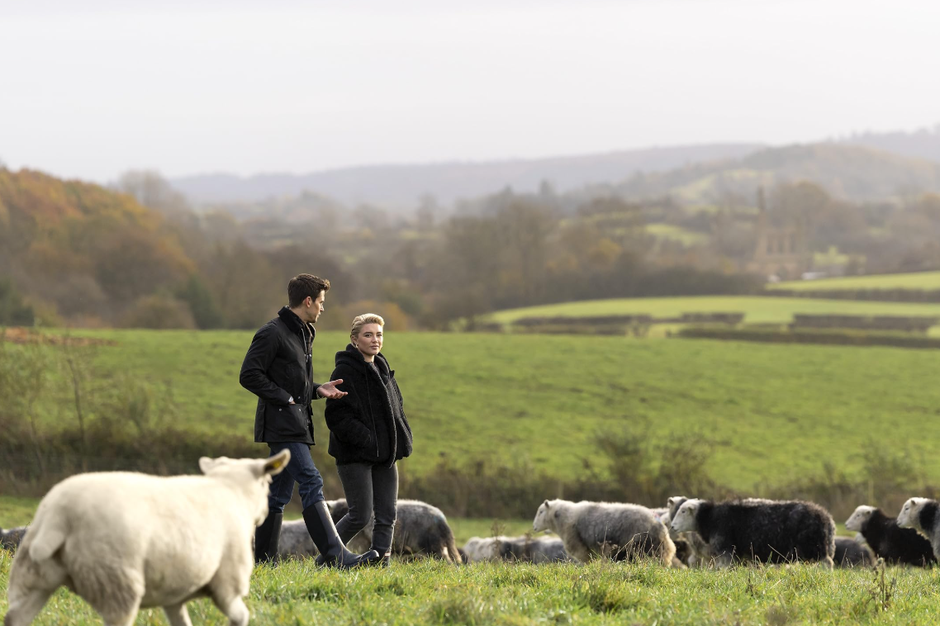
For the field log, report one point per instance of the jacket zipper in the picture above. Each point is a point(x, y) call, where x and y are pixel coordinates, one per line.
point(375, 432)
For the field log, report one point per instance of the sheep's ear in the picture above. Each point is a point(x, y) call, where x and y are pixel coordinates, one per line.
point(206, 464)
point(546, 504)
point(277, 463)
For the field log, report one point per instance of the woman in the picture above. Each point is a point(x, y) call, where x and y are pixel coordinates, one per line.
point(368, 435)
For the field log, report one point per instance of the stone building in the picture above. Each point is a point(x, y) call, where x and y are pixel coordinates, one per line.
point(781, 250)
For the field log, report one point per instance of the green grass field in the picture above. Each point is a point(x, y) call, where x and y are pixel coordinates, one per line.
point(917, 280)
point(772, 413)
point(432, 593)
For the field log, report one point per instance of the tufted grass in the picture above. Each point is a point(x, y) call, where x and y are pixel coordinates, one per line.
point(430, 592)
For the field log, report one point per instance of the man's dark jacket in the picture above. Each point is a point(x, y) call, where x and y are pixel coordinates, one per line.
point(277, 367)
point(368, 425)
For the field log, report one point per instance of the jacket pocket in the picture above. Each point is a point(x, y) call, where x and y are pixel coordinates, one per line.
point(288, 421)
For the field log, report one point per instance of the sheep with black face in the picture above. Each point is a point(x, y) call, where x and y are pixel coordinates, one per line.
point(760, 530)
point(921, 514)
point(896, 545)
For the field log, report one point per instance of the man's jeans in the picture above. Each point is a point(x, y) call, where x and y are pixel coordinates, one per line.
point(299, 469)
point(369, 488)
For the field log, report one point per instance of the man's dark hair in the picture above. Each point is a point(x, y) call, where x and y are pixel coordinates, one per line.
point(303, 285)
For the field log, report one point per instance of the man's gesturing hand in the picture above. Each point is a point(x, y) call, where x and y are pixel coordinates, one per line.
point(329, 390)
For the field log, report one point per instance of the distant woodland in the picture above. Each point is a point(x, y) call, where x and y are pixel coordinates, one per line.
point(140, 255)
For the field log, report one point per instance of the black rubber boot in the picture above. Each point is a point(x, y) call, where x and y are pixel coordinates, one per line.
point(383, 558)
point(345, 535)
point(327, 540)
point(381, 545)
point(266, 538)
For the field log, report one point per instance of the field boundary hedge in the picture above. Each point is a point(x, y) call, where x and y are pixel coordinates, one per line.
point(901, 323)
point(823, 337)
point(875, 295)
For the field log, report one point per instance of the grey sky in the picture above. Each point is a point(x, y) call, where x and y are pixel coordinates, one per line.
point(189, 87)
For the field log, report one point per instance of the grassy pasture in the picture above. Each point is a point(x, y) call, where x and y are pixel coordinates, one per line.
point(916, 280)
point(773, 413)
point(677, 233)
point(757, 309)
point(430, 592)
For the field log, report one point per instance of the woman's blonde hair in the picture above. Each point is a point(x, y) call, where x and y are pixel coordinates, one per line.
point(361, 320)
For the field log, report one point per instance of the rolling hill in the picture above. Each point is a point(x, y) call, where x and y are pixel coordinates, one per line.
point(849, 172)
point(402, 185)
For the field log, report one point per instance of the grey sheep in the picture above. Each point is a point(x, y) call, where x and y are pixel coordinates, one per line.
point(760, 530)
point(12, 537)
point(618, 531)
point(480, 549)
point(851, 553)
point(532, 549)
point(295, 541)
point(420, 529)
point(525, 548)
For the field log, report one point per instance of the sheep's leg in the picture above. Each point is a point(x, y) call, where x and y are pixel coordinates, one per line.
point(119, 618)
point(177, 615)
point(724, 561)
point(235, 610)
point(26, 607)
point(115, 591)
point(229, 587)
point(827, 563)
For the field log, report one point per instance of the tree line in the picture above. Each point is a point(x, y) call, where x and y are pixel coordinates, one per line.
point(137, 255)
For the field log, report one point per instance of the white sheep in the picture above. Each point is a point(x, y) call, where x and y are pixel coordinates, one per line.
point(921, 514)
point(620, 531)
point(123, 541)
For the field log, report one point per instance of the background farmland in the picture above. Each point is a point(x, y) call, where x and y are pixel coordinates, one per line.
point(762, 417)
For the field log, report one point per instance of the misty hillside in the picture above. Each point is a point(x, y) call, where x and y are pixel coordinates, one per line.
point(850, 172)
point(923, 143)
point(402, 185)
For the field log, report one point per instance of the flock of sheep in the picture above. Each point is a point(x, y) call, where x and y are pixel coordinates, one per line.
point(125, 541)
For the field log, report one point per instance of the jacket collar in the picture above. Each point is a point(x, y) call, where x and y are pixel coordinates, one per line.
point(294, 323)
point(352, 356)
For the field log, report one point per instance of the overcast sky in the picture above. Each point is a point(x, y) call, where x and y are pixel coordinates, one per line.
point(90, 89)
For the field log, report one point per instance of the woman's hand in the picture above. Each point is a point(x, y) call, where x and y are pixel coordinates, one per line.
point(329, 390)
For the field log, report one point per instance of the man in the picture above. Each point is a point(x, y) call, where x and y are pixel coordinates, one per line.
point(279, 370)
